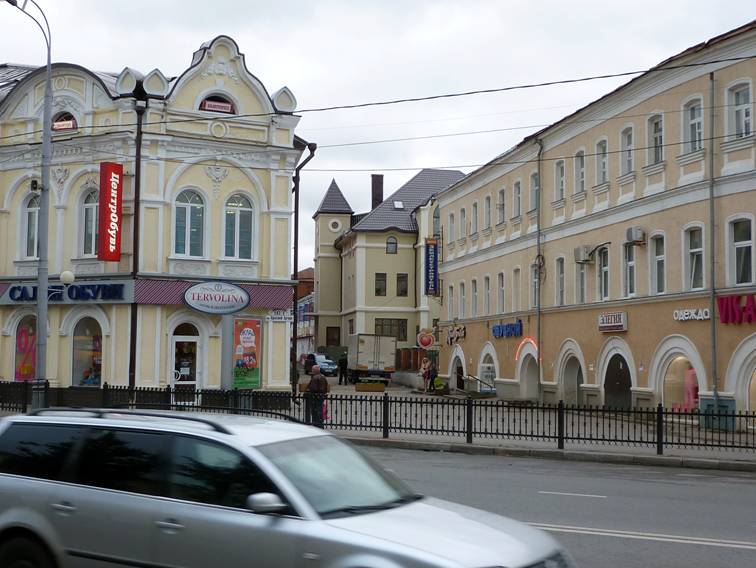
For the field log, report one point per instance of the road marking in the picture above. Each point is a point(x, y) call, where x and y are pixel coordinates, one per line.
point(692, 475)
point(678, 539)
point(572, 494)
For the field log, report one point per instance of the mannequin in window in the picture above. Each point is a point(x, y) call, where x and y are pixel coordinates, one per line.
point(691, 388)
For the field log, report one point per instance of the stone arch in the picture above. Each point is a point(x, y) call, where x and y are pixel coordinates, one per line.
point(570, 352)
point(457, 355)
point(78, 312)
point(206, 330)
point(615, 345)
point(15, 317)
point(740, 369)
point(527, 371)
point(668, 349)
point(489, 349)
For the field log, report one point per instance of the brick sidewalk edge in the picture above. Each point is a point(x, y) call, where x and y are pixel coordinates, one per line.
point(570, 455)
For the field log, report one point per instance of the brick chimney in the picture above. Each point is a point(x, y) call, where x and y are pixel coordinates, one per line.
point(376, 190)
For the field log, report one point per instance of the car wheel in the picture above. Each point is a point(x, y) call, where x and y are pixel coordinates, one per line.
point(21, 552)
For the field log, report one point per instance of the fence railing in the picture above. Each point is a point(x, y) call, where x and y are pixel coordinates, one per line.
point(466, 418)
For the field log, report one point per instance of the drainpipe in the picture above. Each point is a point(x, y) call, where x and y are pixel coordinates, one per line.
point(712, 263)
point(140, 106)
point(539, 268)
point(311, 147)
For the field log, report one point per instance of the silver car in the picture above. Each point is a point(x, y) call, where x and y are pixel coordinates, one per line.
point(103, 488)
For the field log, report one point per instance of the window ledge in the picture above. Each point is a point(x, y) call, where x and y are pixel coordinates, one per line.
point(474, 236)
point(578, 197)
point(738, 143)
point(652, 169)
point(190, 258)
point(600, 188)
point(461, 241)
point(516, 219)
point(451, 244)
point(624, 179)
point(234, 260)
point(558, 203)
point(486, 232)
point(691, 157)
point(501, 226)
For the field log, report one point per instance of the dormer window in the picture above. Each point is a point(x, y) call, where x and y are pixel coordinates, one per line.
point(398, 205)
point(217, 103)
point(63, 121)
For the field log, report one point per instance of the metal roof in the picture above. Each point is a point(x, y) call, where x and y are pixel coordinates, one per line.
point(333, 201)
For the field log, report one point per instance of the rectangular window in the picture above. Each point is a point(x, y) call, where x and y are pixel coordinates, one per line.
point(462, 300)
point(602, 163)
point(629, 262)
point(196, 225)
point(516, 198)
point(90, 230)
point(32, 220)
point(534, 188)
point(502, 217)
point(694, 244)
point(474, 220)
point(500, 292)
point(627, 151)
point(559, 181)
point(380, 283)
point(656, 140)
point(694, 130)
point(181, 213)
point(559, 282)
point(579, 172)
point(603, 274)
point(741, 104)
point(474, 303)
point(516, 290)
point(351, 326)
point(392, 328)
point(487, 296)
point(401, 284)
point(487, 213)
point(462, 224)
point(450, 300)
point(658, 274)
point(580, 282)
point(333, 335)
point(742, 242)
point(533, 285)
point(452, 235)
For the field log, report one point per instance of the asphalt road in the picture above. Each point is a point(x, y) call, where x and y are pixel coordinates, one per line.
point(605, 514)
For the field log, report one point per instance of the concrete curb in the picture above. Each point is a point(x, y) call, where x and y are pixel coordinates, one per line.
point(570, 455)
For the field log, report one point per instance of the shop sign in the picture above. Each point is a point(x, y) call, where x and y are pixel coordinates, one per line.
point(281, 315)
point(431, 267)
point(688, 315)
point(218, 298)
point(454, 333)
point(425, 338)
point(508, 329)
point(612, 321)
point(111, 214)
point(247, 349)
point(106, 291)
point(732, 309)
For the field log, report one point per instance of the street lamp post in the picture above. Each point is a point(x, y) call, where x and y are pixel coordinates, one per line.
point(44, 207)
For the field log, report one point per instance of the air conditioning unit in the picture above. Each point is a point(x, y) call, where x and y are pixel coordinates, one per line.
point(583, 254)
point(635, 235)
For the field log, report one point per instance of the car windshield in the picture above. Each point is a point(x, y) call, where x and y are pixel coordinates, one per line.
point(321, 358)
point(336, 478)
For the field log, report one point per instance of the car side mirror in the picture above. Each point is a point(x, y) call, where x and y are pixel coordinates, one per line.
point(265, 503)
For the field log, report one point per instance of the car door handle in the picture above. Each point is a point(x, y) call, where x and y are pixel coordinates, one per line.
point(64, 507)
point(169, 525)
point(310, 556)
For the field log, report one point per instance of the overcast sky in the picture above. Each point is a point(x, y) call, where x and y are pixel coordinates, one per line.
point(332, 52)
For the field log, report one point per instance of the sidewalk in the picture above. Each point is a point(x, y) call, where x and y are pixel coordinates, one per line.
point(703, 458)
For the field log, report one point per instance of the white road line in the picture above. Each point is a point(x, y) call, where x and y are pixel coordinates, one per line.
point(677, 539)
point(692, 475)
point(572, 494)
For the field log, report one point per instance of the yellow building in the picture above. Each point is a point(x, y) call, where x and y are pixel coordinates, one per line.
point(610, 258)
point(214, 177)
point(371, 269)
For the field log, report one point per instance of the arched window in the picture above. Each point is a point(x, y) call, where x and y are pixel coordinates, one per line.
point(655, 139)
point(239, 227)
point(190, 222)
point(63, 121)
point(31, 222)
point(579, 172)
point(26, 349)
point(391, 245)
point(89, 238)
point(87, 353)
point(217, 103)
point(693, 126)
point(437, 222)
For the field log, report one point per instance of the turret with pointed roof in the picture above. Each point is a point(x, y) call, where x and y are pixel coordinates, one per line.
point(333, 201)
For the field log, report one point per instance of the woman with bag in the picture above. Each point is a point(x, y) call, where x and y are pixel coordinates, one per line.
point(425, 373)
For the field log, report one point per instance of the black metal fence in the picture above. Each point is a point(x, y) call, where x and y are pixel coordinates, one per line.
point(466, 418)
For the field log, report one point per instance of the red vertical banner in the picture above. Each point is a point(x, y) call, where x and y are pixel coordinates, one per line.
point(111, 217)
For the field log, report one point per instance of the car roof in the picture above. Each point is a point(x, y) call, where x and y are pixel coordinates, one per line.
point(244, 430)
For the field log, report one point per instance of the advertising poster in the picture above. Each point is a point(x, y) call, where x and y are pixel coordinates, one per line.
point(111, 211)
point(431, 267)
point(247, 351)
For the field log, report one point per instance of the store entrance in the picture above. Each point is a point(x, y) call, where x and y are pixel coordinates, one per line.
point(185, 347)
point(617, 383)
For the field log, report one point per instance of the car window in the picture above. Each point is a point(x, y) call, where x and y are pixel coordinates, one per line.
point(125, 460)
point(206, 472)
point(37, 450)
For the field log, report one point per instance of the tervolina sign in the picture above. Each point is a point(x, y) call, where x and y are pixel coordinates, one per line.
point(111, 215)
point(217, 298)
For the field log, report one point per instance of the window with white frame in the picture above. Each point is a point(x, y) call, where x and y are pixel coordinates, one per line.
point(190, 224)
point(239, 227)
point(474, 219)
point(31, 227)
point(90, 229)
point(559, 180)
point(626, 155)
point(693, 126)
point(534, 283)
point(602, 162)
point(740, 110)
point(559, 282)
point(629, 269)
point(474, 299)
point(579, 172)
point(462, 300)
point(487, 296)
point(391, 245)
point(694, 258)
point(580, 283)
point(741, 251)
point(437, 222)
point(487, 212)
point(658, 264)
point(452, 234)
point(533, 195)
point(655, 139)
point(64, 121)
point(450, 300)
point(516, 199)
point(462, 224)
point(603, 273)
point(502, 215)
point(500, 292)
point(516, 290)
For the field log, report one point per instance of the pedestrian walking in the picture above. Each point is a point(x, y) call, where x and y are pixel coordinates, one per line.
point(315, 397)
point(432, 374)
point(343, 370)
point(424, 368)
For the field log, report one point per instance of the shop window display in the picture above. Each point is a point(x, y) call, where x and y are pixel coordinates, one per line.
point(681, 386)
point(87, 354)
point(26, 349)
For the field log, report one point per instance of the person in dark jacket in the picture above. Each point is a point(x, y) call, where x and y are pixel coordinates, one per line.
point(343, 370)
point(316, 393)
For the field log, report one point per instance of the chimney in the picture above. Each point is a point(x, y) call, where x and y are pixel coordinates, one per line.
point(376, 187)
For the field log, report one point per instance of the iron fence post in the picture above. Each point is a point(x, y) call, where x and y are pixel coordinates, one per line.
point(385, 408)
point(469, 420)
point(105, 395)
point(659, 429)
point(560, 425)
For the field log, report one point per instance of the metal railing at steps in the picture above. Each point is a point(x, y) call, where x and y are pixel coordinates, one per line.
point(490, 386)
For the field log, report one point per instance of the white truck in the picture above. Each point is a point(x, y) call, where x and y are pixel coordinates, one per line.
point(371, 355)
